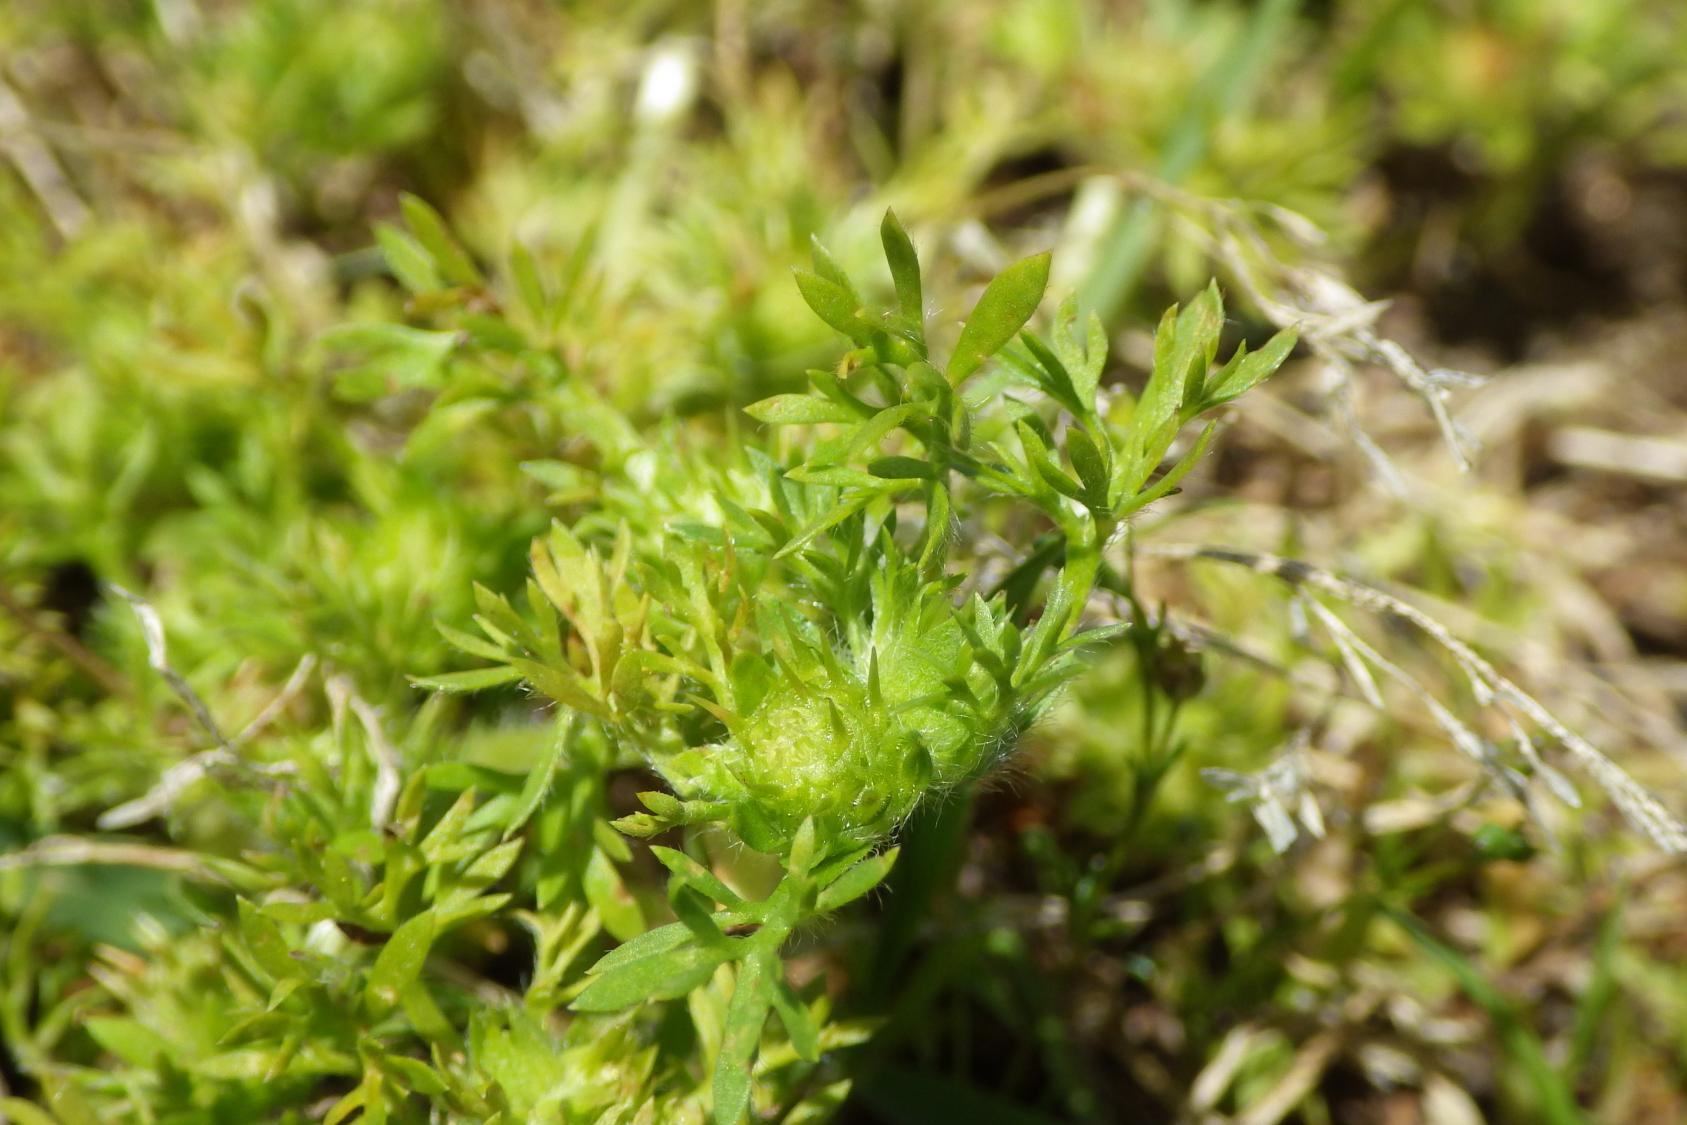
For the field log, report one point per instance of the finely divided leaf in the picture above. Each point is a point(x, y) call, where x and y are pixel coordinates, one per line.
point(1090, 463)
point(1083, 362)
point(1198, 327)
point(1246, 371)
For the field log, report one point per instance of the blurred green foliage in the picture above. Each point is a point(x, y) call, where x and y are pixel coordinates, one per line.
point(318, 430)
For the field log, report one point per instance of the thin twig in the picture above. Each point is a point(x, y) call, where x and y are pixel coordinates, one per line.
point(382, 752)
point(38, 167)
point(1334, 320)
point(1642, 810)
point(295, 684)
point(157, 656)
point(75, 851)
point(165, 792)
point(179, 777)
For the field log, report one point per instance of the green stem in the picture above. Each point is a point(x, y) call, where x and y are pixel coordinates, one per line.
point(933, 842)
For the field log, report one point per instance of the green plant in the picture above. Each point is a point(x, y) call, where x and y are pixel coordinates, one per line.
point(797, 664)
point(942, 749)
point(782, 636)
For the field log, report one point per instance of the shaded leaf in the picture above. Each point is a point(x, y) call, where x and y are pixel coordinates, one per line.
point(268, 948)
point(1090, 464)
point(856, 881)
point(752, 994)
point(538, 783)
point(409, 263)
point(400, 961)
point(798, 1021)
point(431, 232)
point(610, 898)
point(529, 286)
